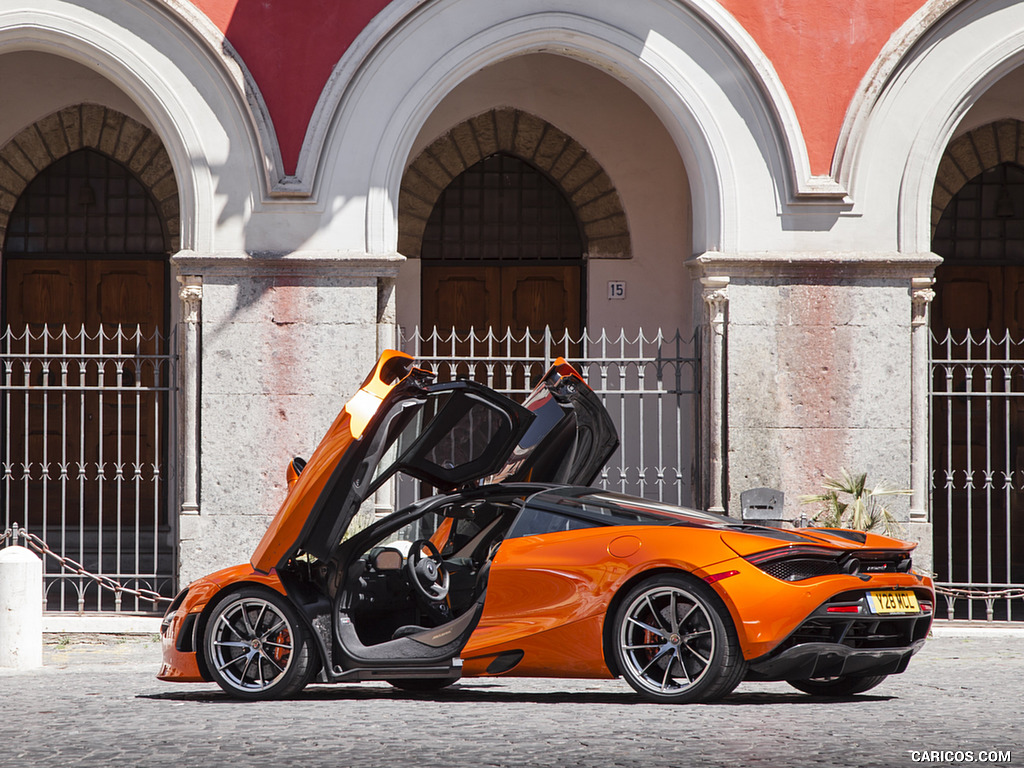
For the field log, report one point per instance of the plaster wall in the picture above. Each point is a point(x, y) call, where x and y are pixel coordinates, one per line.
point(622, 133)
point(38, 84)
point(1000, 101)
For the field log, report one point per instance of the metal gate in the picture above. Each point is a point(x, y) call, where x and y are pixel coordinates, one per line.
point(977, 439)
point(86, 418)
point(649, 383)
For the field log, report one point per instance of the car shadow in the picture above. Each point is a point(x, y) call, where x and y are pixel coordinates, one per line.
point(497, 694)
point(766, 697)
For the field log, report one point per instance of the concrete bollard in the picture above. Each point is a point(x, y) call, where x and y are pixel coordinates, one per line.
point(21, 608)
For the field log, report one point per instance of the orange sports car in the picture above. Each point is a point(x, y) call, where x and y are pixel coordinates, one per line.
point(517, 567)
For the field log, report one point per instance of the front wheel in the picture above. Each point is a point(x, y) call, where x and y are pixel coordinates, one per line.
point(844, 685)
point(257, 647)
point(675, 642)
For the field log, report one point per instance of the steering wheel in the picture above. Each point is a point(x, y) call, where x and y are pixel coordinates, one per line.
point(426, 571)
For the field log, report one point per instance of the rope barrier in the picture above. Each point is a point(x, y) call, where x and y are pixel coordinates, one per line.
point(39, 546)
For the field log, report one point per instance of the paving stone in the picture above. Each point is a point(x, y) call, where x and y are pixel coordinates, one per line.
point(97, 703)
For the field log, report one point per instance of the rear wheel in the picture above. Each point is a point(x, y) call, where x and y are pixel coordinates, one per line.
point(257, 647)
point(844, 685)
point(676, 643)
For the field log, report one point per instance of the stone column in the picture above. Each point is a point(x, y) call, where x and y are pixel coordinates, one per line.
point(716, 300)
point(921, 297)
point(387, 330)
point(272, 345)
point(191, 295)
point(919, 526)
point(384, 500)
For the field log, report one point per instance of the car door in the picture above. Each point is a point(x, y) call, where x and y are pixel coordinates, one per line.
point(571, 438)
point(447, 435)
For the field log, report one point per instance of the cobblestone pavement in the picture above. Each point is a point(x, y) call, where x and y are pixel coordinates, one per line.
point(97, 703)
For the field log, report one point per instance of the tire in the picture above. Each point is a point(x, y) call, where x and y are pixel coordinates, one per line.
point(846, 685)
point(675, 642)
point(257, 647)
point(422, 684)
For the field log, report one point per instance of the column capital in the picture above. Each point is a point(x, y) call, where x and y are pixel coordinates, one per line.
point(921, 296)
point(191, 295)
point(716, 296)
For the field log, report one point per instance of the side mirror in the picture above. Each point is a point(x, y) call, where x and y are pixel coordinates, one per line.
point(295, 467)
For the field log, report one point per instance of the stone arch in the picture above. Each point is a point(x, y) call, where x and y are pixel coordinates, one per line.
point(586, 185)
point(973, 153)
point(91, 126)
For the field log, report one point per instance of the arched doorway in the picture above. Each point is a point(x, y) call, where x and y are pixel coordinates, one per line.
point(501, 250)
point(503, 212)
point(978, 378)
point(504, 218)
point(88, 373)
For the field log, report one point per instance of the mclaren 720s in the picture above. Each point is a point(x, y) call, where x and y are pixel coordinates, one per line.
point(517, 567)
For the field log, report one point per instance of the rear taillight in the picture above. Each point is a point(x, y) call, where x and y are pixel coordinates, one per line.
point(843, 609)
point(797, 563)
point(805, 562)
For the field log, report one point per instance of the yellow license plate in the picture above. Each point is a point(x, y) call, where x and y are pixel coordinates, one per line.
point(893, 602)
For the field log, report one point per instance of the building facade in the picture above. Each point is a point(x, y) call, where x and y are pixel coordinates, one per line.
point(215, 214)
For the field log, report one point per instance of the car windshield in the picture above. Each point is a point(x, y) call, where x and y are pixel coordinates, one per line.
point(402, 433)
point(446, 436)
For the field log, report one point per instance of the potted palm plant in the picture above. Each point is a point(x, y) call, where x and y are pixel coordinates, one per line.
point(848, 502)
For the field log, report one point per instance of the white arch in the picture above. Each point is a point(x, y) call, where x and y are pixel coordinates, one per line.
point(909, 106)
point(701, 74)
point(150, 55)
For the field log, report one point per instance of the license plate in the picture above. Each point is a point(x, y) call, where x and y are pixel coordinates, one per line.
point(893, 602)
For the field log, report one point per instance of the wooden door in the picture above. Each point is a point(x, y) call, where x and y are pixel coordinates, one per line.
point(462, 298)
point(968, 298)
point(519, 300)
point(83, 417)
point(537, 297)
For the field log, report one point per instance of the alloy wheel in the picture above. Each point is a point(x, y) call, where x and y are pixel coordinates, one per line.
point(252, 644)
point(667, 640)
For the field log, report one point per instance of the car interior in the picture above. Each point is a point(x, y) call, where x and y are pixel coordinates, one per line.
point(430, 572)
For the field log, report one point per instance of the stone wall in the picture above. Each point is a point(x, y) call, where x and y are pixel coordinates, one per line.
point(280, 351)
point(818, 367)
point(818, 380)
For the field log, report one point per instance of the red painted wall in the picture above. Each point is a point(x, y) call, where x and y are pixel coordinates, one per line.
point(290, 47)
point(821, 50)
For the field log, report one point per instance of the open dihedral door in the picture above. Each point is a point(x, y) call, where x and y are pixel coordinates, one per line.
point(447, 435)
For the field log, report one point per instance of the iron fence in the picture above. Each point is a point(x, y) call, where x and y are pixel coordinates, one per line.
point(86, 416)
point(648, 382)
point(977, 438)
